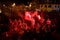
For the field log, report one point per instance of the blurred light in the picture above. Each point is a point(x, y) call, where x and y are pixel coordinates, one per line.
point(38, 16)
point(4, 5)
point(30, 5)
point(0, 11)
point(26, 6)
point(37, 10)
point(13, 4)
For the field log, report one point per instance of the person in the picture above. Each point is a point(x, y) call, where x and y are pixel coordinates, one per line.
point(4, 21)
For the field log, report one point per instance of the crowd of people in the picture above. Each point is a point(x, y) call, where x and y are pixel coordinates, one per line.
point(30, 26)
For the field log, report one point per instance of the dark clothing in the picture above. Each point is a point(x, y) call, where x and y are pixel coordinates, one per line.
point(4, 21)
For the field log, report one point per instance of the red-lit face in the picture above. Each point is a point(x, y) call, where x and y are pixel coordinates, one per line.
point(48, 21)
point(42, 20)
point(32, 21)
point(27, 16)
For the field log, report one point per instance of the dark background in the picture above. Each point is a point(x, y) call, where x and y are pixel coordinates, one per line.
point(26, 2)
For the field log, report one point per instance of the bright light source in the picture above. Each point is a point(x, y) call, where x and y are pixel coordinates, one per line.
point(0, 11)
point(30, 5)
point(13, 4)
